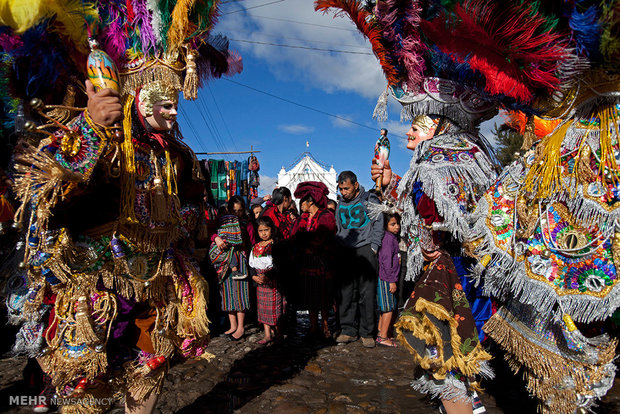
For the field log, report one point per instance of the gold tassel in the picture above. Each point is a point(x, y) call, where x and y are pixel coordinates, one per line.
point(527, 218)
point(84, 332)
point(190, 86)
point(544, 177)
point(159, 204)
point(529, 135)
point(128, 167)
point(583, 171)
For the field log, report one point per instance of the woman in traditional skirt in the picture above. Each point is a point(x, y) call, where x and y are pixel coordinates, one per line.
point(314, 235)
point(234, 238)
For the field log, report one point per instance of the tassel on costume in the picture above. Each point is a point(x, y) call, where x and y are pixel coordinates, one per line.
point(190, 86)
point(84, 332)
point(159, 205)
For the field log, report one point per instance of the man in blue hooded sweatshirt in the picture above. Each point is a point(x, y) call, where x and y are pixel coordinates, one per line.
point(360, 238)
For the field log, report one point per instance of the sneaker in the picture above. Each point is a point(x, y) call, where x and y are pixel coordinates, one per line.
point(368, 342)
point(345, 339)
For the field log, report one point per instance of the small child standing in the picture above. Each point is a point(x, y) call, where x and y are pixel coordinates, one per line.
point(270, 301)
point(389, 269)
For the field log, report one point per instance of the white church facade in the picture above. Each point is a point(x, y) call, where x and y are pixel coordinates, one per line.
point(308, 168)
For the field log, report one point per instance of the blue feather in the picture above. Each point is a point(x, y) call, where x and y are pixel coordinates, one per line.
point(586, 31)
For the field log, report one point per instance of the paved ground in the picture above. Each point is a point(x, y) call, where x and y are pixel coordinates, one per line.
point(301, 376)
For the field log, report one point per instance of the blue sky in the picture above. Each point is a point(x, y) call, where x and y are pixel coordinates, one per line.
point(232, 117)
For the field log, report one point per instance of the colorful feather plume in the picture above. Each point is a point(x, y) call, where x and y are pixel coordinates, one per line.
point(48, 45)
point(400, 23)
point(364, 22)
point(114, 40)
point(142, 22)
point(74, 17)
point(509, 43)
point(586, 31)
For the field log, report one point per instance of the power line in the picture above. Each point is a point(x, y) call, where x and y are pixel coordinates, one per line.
point(253, 7)
point(304, 23)
point(192, 129)
point(298, 104)
point(302, 47)
point(365, 47)
point(222, 117)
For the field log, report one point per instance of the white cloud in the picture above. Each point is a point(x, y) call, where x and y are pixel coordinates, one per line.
point(294, 22)
point(296, 129)
point(342, 121)
point(267, 184)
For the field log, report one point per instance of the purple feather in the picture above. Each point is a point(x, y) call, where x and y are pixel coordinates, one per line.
point(114, 34)
point(400, 23)
point(9, 42)
point(142, 21)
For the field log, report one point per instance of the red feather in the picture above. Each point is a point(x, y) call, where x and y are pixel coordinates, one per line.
point(505, 42)
point(360, 17)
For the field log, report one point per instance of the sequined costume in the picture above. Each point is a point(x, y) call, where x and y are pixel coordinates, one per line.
point(110, 219)
point(551, 251)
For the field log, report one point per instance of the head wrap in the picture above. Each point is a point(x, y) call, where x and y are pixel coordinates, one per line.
point(317, 190)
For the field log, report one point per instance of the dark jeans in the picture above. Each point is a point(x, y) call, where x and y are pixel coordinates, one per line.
point(358, 291)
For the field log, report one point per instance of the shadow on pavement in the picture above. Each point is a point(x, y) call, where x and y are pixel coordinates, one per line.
point(255, 373)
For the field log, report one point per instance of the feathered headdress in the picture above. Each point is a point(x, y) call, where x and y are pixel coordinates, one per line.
point(482, 53)
point(148, 40)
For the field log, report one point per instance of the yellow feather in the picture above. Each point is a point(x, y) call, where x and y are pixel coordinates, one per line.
point(73, 16)
point(180, 23)
point(21, 15)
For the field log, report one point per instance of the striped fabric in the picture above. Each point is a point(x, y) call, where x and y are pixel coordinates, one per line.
point(385, 300)
point(270, 304)
point(235, 295)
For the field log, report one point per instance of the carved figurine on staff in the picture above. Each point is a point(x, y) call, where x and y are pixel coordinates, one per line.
point(382, 153)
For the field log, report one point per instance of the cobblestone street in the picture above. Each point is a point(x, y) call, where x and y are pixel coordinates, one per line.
point(301, 376)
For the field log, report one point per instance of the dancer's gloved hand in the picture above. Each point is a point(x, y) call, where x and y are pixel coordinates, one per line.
point(104, 106)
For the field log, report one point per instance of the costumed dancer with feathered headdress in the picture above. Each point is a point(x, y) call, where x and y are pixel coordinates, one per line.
point(451, 65)
point(110, 194)
point(550, 240)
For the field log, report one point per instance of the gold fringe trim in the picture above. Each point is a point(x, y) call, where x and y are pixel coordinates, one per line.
point(94, 393)
point(141, 387)
point(62, 370)
point(545, 372)
point(425, 330)
point(157, 72)
point(192, 322)
point(37, 173)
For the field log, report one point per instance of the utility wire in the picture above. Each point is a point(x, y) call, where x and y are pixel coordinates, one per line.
point(208, 125)
point(192, 128)
point(253, 7)
point(298, 104)
point(222, 117)
point(365, 47)
point(304, 23)
point(211, 124)
point(302, 47)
